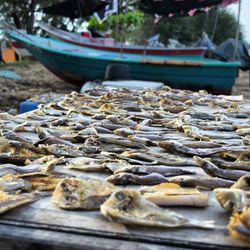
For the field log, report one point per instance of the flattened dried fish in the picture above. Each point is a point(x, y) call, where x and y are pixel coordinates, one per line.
point(128, 178)
point(213, 170)
point(170, 194)
point(232, 199)
point(159, 169)
point(201, 181)
point(11, 183)
point(163, 159)
point(9, 202)
point(231, 165)
point(40, 181)
point(175, 146)
point(239, 225)
point(73, 193)
point(177, 199)
point(129, 207)
point(243, 183)
point(122, 142)
point(197, 133)
point(87, 164)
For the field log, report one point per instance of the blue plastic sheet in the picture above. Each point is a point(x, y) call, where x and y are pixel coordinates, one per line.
point(10, 74)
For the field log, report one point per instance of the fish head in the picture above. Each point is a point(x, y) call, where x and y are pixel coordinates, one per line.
point(232, 200)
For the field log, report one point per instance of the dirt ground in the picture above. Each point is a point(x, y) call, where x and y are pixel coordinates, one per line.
point(37, 80)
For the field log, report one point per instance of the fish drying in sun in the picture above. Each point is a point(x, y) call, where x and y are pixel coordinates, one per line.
point(11, 201)
point(203, 181)
point(128, 178)
point(212, 170)
point(73, 193)
point(169, 194)
point(179, 148)
point(129, 207)
point(239, 225)
point(232, 199)
point(243, 183)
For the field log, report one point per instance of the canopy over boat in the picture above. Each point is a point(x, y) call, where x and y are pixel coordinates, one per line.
point(76, 8)
point(170, 8)
point(167, 8)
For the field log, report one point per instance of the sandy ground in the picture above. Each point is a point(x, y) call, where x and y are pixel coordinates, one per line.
point(37, 80)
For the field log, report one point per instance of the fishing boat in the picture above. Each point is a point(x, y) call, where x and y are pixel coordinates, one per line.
point(109, 44)
point(77, 65)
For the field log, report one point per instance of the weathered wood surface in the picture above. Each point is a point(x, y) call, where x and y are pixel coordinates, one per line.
point(43, 215)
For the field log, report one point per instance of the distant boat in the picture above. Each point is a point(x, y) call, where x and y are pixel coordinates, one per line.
point(77, 65)
point(108, 44)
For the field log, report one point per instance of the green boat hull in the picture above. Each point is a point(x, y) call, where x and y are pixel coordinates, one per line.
point(215, 77)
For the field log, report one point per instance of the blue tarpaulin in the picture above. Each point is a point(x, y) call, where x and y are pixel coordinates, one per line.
point(10, 74)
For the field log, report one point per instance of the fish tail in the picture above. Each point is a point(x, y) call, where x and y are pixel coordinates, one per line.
point(208, 224)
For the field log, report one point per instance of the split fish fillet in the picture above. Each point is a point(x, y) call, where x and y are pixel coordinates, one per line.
point(129, 207)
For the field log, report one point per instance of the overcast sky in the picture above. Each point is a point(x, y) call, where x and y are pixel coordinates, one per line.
point(244, 18)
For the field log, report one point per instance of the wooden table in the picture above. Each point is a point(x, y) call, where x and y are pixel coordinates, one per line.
point(44, 224)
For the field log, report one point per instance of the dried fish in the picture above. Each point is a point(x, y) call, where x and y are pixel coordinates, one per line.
point(232, 199)
point(159, 169)
point(231, 165)
point(178, 197)
point(170, 194)
point(243, 131)
point(239, 225)
point(197, 133)
point(243, 183)
point(11, 183)
point(88, 164)
point(40, 181)
point(213, 170)
point(128, 178)
point(9, 202)
point(62, 150)
point(10, 135)
point(201, 181)
point(129, 207)
point(246, 140)
point(73, 193)
point(163, 159)
point(174, 146)
point(122, 142)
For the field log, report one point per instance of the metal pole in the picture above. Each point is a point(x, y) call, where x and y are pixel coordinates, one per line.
point(237, 33)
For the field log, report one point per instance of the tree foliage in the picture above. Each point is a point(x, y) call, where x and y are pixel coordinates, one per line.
point(129, 24)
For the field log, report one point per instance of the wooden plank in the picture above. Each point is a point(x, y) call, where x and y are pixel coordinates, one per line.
point(43, 214)
point(13, 237)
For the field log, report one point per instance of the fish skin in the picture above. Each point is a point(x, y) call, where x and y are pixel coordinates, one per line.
point(122, 142)
point(231, 165)
point(180, 148)
point(239, 226)
point(190, 200)
point(154, 158)
point(158, 169)
point(9, 202)
point(128, 178)
point(73, 193)
point(243, 183)
point(212, 170)
point(195, 132)
point(129, 207)
point(232, 199)
point(11, 183)
point(201, 181)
